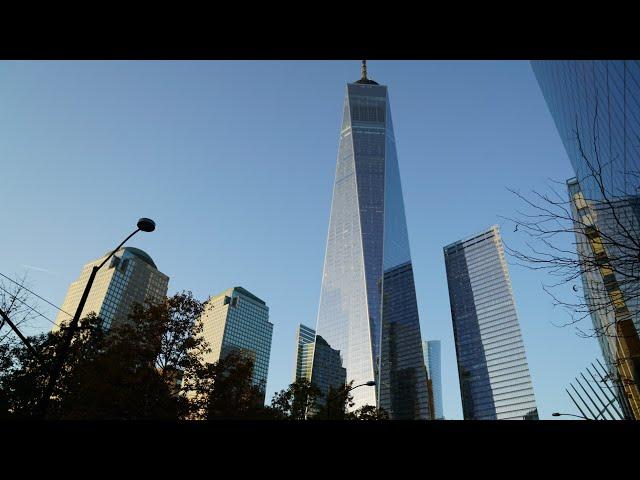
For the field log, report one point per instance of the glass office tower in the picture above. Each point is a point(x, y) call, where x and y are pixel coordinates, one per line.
point(598, 101)
point(130, 277)
point(432, 361)
point(368, 308)
point(492, 367)
point(610, 285)
point(238, 321)
point(305, 339)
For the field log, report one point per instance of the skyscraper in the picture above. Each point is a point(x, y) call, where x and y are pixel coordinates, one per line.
point(238, 321)
point(431, 350)
point(305, 340)
point(368, 308)
point(610, 285)
point(596, 108)
point(599, 100)
point(492, 367)
point(130, 277)
point(313, 353)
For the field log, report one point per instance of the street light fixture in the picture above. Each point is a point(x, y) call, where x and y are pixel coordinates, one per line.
point(556, 414)
point(145, 225)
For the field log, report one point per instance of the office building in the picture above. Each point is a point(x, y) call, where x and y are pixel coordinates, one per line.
point(495, 383)
point(599, 101)
point(610, 285)
point(238, 321)
point(129, 277)
point(595, 105)
point(368, 309)
point(432, 352)
point(305, 340)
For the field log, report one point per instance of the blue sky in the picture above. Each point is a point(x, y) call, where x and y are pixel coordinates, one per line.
point(235, 161)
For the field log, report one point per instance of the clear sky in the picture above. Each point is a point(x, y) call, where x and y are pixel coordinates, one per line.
point(235, 161)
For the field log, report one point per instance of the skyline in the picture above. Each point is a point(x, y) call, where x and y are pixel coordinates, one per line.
point(298, 251)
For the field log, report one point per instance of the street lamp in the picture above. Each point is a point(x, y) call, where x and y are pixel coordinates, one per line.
point(370, 383)
point(556, 414)
point(145, 225)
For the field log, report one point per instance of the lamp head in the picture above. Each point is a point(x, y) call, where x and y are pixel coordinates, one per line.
point(146, 225)
point(555, 414)
point(370, 383)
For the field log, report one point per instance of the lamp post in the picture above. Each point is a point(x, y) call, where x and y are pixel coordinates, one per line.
point(556, 414)
point(370, 383)
point(145, 225)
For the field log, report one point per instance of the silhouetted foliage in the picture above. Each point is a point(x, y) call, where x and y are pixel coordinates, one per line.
point(297, 401)
point(369, 412)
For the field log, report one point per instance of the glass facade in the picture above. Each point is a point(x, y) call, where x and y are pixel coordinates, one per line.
point(305, 339)
point(368, 309)
point(610, 286)
point(600, 101)
point(130, 277)
point(431, 350)
point(495, 383)
point(238, 321)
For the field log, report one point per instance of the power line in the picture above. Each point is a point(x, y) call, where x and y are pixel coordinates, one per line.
point(28, 306)
point(34, 293)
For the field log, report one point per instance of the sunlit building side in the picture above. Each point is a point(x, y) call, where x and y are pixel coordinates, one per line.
point(131, 276)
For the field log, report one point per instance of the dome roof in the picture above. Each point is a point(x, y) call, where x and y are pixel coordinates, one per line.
point(142, 255)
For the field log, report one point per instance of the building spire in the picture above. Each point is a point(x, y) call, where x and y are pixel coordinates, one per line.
point(363, 75)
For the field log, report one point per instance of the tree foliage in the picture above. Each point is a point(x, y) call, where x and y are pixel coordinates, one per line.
point(296, 402)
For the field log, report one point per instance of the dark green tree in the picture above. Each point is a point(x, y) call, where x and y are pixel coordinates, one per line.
point(296, 402)
point(232, 393)
point(337, 403)
point(369, 412)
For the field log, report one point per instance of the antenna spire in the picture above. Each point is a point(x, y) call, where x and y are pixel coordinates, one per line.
point(363, 77)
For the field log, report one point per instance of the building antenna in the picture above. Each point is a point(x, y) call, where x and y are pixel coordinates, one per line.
point(363, 70)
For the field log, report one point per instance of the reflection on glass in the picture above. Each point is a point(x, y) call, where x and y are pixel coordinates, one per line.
point(368, 309)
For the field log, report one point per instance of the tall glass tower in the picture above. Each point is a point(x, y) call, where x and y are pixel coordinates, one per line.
point(492, 367)
point(432, 361)
point(598, 101)
point(368, 309)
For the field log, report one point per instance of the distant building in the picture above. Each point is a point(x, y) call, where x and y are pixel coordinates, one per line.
point(432, 361)
point(314, 355)
point(305, 339)
point(327, 372)
point(492, 367)
point(238, 321)
point(130, 277)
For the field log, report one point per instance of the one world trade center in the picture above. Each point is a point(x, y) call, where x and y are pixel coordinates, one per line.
point(368, 310)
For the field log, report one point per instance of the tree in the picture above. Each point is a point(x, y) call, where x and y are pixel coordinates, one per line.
point(138, 374)
point(13, 302)
point(369, 412)
point(297, 401)
point(599, 276)
point(232, 393)
point(24, 376)
point(337, 403)
point(131, 371)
